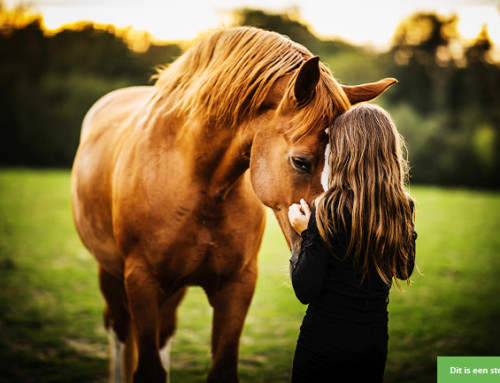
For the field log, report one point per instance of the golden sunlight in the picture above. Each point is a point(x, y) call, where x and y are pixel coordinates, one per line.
point(358, 21)
point(162, 21)
point(474, 17)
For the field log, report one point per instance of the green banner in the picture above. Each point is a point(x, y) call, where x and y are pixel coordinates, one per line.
point(468, 369)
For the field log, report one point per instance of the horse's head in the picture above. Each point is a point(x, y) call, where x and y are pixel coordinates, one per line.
point(265, 95)
point(288, 148)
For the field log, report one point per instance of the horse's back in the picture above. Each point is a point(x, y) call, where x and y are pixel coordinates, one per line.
point(115, 106)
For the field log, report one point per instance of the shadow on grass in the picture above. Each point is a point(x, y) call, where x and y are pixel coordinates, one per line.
point(28, 355)
point(27, 364)
point(37, 342)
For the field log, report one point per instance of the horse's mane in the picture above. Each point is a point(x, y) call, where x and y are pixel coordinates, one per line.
point(226, 76)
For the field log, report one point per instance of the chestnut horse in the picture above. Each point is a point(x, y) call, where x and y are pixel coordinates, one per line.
point(163, 199)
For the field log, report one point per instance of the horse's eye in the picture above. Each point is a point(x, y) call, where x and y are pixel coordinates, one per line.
point(301, 163)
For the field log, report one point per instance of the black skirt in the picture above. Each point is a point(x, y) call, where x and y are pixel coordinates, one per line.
point(339, 351)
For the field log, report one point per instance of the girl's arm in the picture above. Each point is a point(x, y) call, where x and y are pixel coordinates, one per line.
point(309, 272)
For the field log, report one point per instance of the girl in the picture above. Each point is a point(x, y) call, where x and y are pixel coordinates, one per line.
point(358, 237)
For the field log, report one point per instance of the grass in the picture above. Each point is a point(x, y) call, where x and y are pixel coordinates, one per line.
point(51, 309)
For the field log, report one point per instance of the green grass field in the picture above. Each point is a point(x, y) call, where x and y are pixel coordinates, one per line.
point(51, 309)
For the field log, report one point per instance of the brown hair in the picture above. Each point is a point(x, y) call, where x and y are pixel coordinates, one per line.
point(368, 173)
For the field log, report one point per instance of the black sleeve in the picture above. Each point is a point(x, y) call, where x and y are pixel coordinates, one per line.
point(309, 272)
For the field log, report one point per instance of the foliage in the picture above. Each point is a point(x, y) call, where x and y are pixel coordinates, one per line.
point(446, 101)
point(51, 310)
point(47, 83)
point(284, 23)
point(457, 93)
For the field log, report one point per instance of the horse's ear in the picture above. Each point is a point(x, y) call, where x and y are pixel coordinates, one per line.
point(367, 92)
point(306, 80)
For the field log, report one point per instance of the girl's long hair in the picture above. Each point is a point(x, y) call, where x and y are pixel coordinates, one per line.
point(367, 179)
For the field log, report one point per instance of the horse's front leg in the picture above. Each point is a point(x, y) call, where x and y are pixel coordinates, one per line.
point(143, 292)
point(168, 325)
point(230, 303)
point(118, 324)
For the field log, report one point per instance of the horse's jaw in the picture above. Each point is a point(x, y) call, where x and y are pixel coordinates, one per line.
point(294, 259)
point(293, 240)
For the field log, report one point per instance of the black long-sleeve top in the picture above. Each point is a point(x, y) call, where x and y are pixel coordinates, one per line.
point(330, 284)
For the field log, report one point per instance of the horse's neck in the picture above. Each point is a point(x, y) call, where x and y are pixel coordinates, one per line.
point(234, 161)
point(217, 156)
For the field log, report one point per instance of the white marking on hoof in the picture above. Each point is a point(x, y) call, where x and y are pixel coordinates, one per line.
point(117, 367)
point(165, 356)
point(326, 170)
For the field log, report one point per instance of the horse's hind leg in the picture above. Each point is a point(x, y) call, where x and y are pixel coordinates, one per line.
point(117, 322)
point(168, 326)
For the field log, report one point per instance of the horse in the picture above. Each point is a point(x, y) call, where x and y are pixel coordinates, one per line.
point(170, 181)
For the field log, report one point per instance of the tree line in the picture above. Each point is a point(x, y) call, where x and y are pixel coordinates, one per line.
point(445, 104)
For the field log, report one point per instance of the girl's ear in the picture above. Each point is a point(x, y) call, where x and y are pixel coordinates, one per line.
point(367, 92)
point(306, 80)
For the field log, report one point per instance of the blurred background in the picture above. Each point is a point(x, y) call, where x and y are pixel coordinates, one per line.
point(57, 57)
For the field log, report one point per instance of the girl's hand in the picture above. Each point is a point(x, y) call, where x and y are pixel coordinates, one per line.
point(299, 216)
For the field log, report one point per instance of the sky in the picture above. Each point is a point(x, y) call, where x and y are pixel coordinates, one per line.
point(368, 22)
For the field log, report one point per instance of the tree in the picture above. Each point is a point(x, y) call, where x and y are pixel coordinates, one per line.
point(287, 23)
point(421, 51)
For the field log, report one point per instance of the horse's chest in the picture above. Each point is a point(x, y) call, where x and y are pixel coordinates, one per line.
point(200, 241)
point(218, 250)
point(204, 260)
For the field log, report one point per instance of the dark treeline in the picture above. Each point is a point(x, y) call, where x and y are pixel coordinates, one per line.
point(446, 103)
point(49, 82)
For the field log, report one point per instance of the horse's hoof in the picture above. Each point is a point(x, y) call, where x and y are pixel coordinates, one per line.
point(150, 376)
